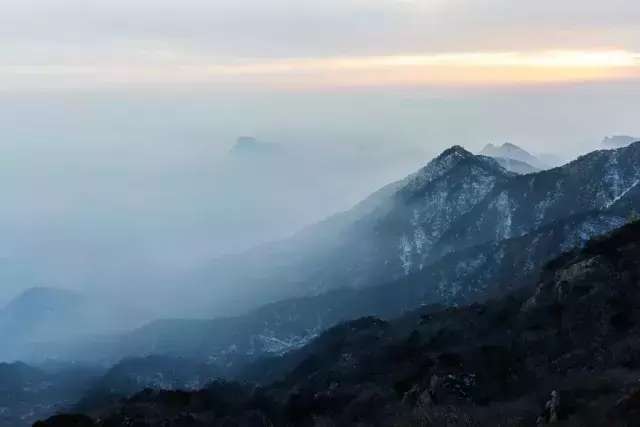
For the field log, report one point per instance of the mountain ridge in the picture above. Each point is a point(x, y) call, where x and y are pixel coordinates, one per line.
point(513, 152)
point(563, 350)
point(468, 261)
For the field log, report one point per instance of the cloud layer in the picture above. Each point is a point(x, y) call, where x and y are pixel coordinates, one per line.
point(101, 41)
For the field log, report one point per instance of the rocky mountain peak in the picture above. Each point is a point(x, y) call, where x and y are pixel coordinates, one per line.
point(455, 150)
point(248, 146)
point(507, 147)
point(446, 162)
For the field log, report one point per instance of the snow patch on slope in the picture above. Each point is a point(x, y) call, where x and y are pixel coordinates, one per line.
point(504, 212)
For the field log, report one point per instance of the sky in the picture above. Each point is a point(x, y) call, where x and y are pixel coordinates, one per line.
point(329, 43)
point(118, 117)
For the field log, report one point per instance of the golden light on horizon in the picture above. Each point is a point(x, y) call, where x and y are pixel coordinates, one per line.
point(466, 68)
point(475, 68)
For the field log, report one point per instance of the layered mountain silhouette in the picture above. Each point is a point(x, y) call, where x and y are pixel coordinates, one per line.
point(37, 314)
point(424, 265)
point(458, 200)
point(51, 317)
point(516, 166)
point(252, 147)
point(564, 350)
point(28, 393)
point(514, 156)
point(460, 230)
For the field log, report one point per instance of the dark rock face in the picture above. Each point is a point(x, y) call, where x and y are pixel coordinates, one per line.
point(66, 421)
point(158, 372)
point(565, 351)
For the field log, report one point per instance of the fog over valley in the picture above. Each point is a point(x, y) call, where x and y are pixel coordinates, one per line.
point(319, 213)
point(134, 187)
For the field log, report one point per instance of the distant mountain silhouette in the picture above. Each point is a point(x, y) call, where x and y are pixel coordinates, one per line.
point(516, 166)
point(617, 141)
point(250, 146)
point(28, 393)
point(44, 315)
point(461, 229)
point(40, 314)
point(456, 201)
point(513, 152)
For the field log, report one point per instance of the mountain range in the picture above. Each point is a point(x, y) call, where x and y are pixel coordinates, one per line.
point(460, 230)
point(52, 317)
point(514, 156)
point(564, 350)
point(516, 166)
point(458, 200)
point(250, 146)
point(28, 393)
point(454, 274)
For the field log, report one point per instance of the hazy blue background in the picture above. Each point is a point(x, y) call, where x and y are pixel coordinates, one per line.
point(117, 119)
point(128, 188)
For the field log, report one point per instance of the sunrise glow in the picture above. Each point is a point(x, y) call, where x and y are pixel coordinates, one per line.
point(474, 68)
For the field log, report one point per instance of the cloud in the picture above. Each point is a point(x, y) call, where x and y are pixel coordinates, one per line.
point(108, 40)
point(161, 67)
point(286, 28)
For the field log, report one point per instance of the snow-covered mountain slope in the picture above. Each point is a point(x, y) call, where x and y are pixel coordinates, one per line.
point(458, 200)
point(591, 183)
point(360, 247)
point(461, 229)
point(473, 274)
point(565, 351)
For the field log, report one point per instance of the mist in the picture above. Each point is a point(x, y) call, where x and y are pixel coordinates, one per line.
point(284, 212)
point(123, 192)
